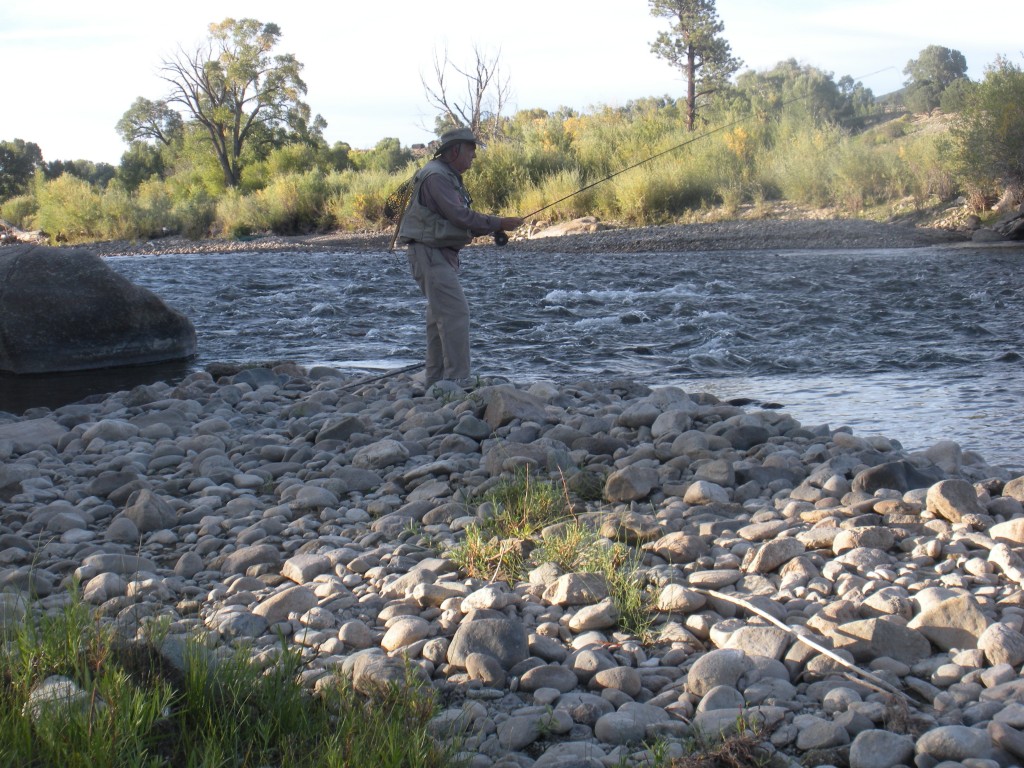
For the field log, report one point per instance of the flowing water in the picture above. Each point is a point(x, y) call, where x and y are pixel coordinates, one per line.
point(919, 345)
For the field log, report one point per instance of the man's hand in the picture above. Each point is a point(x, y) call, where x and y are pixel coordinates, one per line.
point(509, 223)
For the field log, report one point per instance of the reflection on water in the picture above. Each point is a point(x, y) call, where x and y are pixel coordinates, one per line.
point(917, 412)
point(19, 393)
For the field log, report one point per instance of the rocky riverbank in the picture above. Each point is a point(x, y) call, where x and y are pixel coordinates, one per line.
point(802, 231)
point(304, 504)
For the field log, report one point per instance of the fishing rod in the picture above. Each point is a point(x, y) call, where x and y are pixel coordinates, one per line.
point(655, 156)
point(398, 201)
point(386, 375)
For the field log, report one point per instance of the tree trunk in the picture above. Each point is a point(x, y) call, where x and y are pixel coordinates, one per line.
point(691, 86)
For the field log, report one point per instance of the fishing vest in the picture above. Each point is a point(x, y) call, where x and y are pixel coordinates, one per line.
point(422, 225)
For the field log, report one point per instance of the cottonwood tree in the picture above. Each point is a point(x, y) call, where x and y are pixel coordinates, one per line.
point(239, 92)
point(473, 96)
point(147, 119)
point(19, 160)
point(934, 70)
point(693, 44)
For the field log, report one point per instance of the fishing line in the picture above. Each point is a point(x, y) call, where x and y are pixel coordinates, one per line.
point(680, 146)
point(398, 201)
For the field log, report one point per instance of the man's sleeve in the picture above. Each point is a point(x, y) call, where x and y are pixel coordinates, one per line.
point(438, 194)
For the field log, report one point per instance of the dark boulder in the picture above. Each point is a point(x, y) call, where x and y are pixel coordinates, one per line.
point(64, 309)
point(900, 476)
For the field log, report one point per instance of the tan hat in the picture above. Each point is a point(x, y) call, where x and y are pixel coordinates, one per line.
point(455, 136)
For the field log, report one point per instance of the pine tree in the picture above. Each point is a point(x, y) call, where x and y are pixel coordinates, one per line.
point(694, 45)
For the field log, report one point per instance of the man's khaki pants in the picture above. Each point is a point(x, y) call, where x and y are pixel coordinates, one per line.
point(447, 313)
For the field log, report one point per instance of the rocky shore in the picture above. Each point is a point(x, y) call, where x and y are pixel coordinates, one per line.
point(590, 235)
point(269, 503)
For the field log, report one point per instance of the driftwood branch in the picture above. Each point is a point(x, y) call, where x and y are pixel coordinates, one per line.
point(874, 679)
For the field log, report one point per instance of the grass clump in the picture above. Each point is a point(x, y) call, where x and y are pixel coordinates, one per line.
point(525, 522)
point(577, 546)
point(742, 750)
point(511, 513)
point(123, 705)
point(743, 746)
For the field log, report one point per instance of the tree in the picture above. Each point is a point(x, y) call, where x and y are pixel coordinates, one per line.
point(934, 70)
point(238, 92)
point(811, 90)
point(142, 161)
point(97, 174)
point(388, 156)
point(147, 119)
point(19, 160)
point(989, 131)
point(693, 45)
point(485, 95)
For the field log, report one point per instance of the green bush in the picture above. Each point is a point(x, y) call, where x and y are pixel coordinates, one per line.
point(496, 174)
point(927, 167)
point(121, 218)
point(156, 209)
point(194, 208)
point(238, 215)
point(860, 178)
point(294, 203)
point(19, 211)
point(800, 165)
point(550, 189)
point(655, 192)
point(355, 200)
point(988, 134)
point(70, 210)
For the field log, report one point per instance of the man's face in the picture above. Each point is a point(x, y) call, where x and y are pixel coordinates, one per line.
point(463, 157)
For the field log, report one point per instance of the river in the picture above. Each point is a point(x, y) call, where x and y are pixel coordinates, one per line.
point(919, 345)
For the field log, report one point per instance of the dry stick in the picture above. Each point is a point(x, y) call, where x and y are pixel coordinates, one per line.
point(369, 380)
point(814, 644)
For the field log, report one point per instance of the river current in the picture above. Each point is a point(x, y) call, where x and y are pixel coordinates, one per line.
point(919, 345)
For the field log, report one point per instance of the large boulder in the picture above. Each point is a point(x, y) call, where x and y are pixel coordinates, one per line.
point(66, 310)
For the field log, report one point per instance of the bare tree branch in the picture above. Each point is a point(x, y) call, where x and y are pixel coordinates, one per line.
point(485, 93)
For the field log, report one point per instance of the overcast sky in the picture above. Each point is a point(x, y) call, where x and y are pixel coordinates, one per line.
point(71, 69)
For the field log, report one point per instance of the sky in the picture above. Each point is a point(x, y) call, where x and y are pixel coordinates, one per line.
point(70, 70)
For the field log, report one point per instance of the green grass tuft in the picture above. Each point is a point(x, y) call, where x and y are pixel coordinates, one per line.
point(127, 706)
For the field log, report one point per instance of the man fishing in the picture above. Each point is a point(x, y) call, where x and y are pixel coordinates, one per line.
point(437, 224)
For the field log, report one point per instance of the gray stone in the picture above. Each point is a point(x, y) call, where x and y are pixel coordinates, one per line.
point(715, 668)
point(305, 568)
point(869, 639)
point(625, 679)
point(242, 559)
point(955, 742)
point(629, 723)
point(556, 676)
point(679, 547)
point(506, 404)
point(27, 435)
point(953, 500)
point(772, 555)
point(630, 483)
point(504, 639)
point(955, 622)
point(577, 589)
point(150, 512)
point(1002, 644)
point(880, 749)
point(290, 600)
point(899, 476)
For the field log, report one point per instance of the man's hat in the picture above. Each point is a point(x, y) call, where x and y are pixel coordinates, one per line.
point(455, 136)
